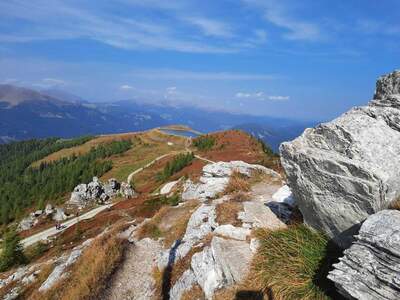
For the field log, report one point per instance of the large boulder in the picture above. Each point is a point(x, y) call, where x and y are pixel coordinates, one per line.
point(345, 170)
point(370, 268)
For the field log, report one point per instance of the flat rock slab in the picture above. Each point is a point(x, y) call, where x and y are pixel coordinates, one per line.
point(259, 215)
point(134, 278)
point(230, 231)
point(233, 257)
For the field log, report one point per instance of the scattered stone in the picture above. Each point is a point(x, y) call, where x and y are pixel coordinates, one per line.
point(111, 188)
point(232, 232)
point(64, 261)
point(26, 223)
point(343, 171)
point(370, 268)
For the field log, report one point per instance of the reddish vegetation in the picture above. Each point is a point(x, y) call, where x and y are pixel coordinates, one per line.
point(234, 145)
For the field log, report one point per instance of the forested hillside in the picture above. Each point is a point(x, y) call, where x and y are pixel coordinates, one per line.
point(22, 186)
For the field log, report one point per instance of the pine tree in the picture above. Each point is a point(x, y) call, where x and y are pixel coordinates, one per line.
point(12, 253)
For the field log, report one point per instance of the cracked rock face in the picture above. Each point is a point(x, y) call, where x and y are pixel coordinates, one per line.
point(370, 268)
point(343, 171)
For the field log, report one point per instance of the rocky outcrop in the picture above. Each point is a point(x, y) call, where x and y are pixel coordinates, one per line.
point(57, 214)
point(96, 191)
point(343, 171)
point(370, 268)
point(215, 178)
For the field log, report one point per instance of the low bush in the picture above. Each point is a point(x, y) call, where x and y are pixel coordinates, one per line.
point(289, 262)
point(204, 142)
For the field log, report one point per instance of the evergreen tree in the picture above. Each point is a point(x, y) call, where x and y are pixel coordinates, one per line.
point(11, 254)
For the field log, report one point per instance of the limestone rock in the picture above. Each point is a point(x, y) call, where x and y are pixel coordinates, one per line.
point(257, 214)
point(233, 257)
point(232, 232)
point(126, 190)
point(201, 223)
point(215, 177)
point(370, 268)
point(343, 171)
point(49, 209)
point(183, 284)
point(208, 273)
point(59, 215)
point(26, 223)
point(95, 191)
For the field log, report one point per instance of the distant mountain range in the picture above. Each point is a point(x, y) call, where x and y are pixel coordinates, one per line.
point(25, 114)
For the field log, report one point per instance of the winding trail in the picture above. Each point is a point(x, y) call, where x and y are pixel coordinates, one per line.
point(53, 231)
point(90, 214)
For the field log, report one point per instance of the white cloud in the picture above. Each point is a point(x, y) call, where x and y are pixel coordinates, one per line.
point(276, 13)
point(126, 87)
point(260, 96)
point(54, 81)
point(279, 98)
point(59, 20)
point(173, 74)
point(211, 27)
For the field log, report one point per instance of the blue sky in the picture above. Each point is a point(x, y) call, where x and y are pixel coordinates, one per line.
point(297, 59)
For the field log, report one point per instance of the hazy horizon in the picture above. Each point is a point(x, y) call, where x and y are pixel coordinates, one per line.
point(285, 59)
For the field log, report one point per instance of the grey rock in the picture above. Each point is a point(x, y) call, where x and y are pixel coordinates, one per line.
point(59, 215)
point(112, 187)
point(65, 261)
point(183, 284)
point(26, 223)
point(257, 214)
point(201, 223)
point(126, 190)
point(38, 213)
point(343, 171)
point(215, 178)
point(232, 257)
point(370, 268)
point(232, 232)
point(208, 273)
point(49, 209)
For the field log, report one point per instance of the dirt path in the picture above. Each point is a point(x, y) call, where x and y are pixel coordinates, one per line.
point(134, 277)
point(52, 231)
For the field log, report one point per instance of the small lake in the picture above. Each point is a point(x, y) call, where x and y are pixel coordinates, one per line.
point(184, 133)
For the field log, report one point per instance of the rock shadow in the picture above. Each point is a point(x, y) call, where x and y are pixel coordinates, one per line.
point(249, 295)
point(166, 280)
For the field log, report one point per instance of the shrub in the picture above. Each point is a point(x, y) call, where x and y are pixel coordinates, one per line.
point(35, 251)
point(11, 253)
point(178, 163)
point(204, 142)
point(289, 260)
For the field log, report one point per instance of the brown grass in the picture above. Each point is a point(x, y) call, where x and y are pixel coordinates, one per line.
point(395, 204)
point(195, 293)
point(32, 289)
point(176, 219)
point(89, 273)
point(237, 183)
point(227, 213)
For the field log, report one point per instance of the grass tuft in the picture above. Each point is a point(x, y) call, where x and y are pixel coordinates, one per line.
point(289, 261)
point(237, 183)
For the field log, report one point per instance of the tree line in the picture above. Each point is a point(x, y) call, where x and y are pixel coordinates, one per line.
point(22, 186)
